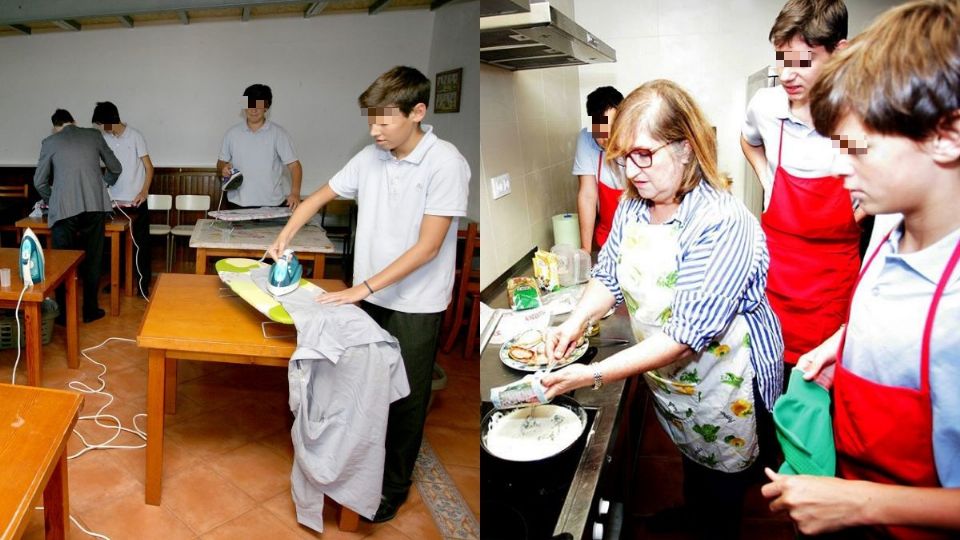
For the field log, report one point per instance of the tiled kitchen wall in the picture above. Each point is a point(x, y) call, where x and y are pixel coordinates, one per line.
point(528, 127)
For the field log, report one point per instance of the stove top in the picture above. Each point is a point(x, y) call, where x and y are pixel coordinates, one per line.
point(526, 498)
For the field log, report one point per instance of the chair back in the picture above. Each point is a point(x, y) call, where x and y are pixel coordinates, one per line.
point(471, 254)
point(196, 203)
point(14, 192)
point(159, 202)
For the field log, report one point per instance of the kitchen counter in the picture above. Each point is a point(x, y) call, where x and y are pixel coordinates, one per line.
point(576, 508)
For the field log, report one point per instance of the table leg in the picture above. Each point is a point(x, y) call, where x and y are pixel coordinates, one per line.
point(170, 387)
point(73, 341)
point(319, 260)
point(56, 501)
point(128, 256)
point(201, 268)
point(31, 318)
point(115, 274)
point(155, 393)
point(349, 520)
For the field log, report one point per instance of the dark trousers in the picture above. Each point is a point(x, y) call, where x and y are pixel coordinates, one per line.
point(418, 334)
point(715, 498)
point(140, 216)
point(82, 231)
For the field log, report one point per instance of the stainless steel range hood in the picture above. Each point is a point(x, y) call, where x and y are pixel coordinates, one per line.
point(542, 38)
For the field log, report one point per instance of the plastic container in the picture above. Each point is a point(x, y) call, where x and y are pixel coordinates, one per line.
point(8, 325)
point(574, 264)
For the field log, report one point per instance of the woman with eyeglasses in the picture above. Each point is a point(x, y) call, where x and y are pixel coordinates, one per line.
point(690, 261)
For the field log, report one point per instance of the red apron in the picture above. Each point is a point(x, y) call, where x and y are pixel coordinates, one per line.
point(608, 199)
point(883, 433)
point(814, 256)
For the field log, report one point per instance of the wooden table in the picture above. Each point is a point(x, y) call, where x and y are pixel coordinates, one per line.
point(60, 267)
point(213, 238)
point(113, 230)
point(35, 424)
point(189, 319)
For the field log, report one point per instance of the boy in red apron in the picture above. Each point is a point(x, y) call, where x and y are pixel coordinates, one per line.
point(808, 220)
point(600, 183)
point(891, 101)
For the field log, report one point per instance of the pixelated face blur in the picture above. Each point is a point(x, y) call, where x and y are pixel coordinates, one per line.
point(799, 65)
point(255, 110)
point(600, 126)
point(883, 172)
point(390, 128)
point(660, 179)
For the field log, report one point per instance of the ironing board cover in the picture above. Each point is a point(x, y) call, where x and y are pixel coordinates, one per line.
point(235, 273)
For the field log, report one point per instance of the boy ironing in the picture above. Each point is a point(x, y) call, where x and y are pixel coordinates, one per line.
point(410, 188)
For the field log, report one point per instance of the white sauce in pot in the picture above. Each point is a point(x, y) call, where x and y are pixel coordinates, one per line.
point(532, 433)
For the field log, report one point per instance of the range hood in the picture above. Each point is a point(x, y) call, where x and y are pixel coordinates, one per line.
point(542, 38)
point(503, 7)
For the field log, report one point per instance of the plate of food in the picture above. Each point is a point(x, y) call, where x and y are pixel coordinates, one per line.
point(525, 352)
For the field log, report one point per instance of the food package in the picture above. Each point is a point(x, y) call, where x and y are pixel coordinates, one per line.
point(546, 268)
point(522, 293)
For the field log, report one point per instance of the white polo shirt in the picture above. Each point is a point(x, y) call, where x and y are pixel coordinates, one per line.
point(262, 157)
point(806, 153)
point(129, 147)
point(588, 156)
point(392, 197)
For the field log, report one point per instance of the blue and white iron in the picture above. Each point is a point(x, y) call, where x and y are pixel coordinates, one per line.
point(31, 259)
point(284, 274)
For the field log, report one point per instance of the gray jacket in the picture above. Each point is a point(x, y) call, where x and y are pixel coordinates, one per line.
point(72, 159)
point(343, 376)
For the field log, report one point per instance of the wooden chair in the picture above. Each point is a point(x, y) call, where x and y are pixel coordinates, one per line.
point(162, 203)
point(187, 203)
point(467, 287)
point(338, 218)
point(15, 192)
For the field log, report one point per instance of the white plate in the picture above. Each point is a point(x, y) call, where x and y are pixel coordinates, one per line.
point(522, 366)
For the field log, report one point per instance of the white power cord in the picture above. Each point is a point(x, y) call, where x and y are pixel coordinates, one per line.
point(16, 316)
point(136, 253)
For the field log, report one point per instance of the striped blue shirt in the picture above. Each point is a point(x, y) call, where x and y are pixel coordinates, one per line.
point(722, 272)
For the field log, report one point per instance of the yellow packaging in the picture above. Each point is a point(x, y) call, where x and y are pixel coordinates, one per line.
point(546, 268)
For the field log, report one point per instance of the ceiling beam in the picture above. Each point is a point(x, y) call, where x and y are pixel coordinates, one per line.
point(21, 28)
point(377, 6)
point(126, 20)
point(245, 14)
point(184, 18)
point(315, 9)
point(70, 25)
point(437, 3)
point(21, 12)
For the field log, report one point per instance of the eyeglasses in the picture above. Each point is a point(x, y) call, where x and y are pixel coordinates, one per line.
point(640, 157)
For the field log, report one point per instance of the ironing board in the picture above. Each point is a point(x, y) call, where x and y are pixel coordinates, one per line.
point(235, 273)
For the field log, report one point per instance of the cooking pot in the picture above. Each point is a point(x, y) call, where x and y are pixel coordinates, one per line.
point(493, 417)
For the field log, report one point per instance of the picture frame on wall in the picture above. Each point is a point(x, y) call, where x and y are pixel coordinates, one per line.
point(446, 97)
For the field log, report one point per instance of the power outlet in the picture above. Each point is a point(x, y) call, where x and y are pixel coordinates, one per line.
point(500, 185)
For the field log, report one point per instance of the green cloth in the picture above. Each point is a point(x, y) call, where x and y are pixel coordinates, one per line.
point(805, 428)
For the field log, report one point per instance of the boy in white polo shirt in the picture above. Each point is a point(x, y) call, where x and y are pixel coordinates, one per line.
point(410, 189)
point(260, 150)
point(131, 189)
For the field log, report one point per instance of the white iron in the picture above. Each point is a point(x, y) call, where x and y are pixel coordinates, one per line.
point(31, 259)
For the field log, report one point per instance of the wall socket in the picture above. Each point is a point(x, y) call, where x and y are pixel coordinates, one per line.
point(500, 185)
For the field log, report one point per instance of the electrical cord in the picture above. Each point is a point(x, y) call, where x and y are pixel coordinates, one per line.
point(16, 316)
point(136, 253)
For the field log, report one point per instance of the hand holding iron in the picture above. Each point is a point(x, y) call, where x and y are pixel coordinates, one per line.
point(277, 247)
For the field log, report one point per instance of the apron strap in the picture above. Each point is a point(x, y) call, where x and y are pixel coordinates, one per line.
point(931, 314)
point(780, 148)
point(599, 165)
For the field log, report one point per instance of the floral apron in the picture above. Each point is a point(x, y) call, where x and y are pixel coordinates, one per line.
point(705, 403)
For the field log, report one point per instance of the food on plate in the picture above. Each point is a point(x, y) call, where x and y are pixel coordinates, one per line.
point(532, 433)
point(522, 354)
point(529, 338)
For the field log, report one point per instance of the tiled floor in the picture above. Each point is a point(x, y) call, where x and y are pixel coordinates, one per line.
point(227, 452)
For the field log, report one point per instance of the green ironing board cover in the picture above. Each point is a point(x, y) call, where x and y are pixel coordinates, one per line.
point(235, 273)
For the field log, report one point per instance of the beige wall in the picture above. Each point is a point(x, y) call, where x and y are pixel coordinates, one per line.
point(528, 128)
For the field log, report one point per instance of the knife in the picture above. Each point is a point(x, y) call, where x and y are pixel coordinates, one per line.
point(608, 342)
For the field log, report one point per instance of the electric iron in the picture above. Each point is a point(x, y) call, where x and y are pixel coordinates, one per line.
point(284, 274)
point(31, 259)
point(233, 181)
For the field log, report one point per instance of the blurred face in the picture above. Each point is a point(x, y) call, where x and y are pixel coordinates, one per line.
point(600, 126)
point(256, 111)
point(886, 173)
point(659, 180)
point(390, 128)
point(799, 65)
